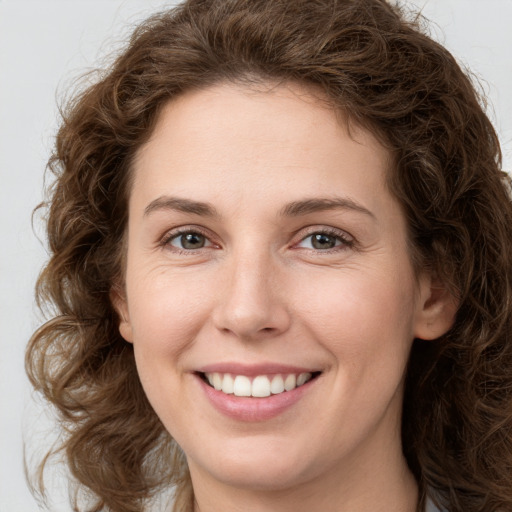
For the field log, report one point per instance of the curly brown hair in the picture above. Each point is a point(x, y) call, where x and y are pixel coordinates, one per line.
point(377, 65)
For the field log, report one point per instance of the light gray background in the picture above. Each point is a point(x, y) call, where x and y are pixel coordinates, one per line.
point(44, 44)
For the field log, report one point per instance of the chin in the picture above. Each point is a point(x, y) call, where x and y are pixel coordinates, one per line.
point(260, 478)
point(257, 469)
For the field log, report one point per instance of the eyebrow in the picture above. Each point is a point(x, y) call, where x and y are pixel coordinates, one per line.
point(179, 204)
point(306, 206)
point(293, 209)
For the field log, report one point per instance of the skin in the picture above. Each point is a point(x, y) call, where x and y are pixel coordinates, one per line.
point(258, 291)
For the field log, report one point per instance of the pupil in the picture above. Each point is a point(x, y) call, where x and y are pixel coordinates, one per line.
point(192, 241)
point(323, 241)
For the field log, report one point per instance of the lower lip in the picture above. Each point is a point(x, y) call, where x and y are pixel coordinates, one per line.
point(254, 409)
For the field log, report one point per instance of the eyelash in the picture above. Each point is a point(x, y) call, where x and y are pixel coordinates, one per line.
point(169, 237)
point(346, 240)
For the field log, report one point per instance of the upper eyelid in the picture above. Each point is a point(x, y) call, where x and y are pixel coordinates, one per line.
point(170, 234)
point(348, 242)
point(330, 230)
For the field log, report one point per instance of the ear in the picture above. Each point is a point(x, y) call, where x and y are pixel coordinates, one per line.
point(436, 310)
point(118, 299)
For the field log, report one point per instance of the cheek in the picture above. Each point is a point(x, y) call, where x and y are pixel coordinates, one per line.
point(166, 314)
point(364, 319)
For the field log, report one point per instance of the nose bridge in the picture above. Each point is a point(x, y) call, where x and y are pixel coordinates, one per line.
point(250, 305)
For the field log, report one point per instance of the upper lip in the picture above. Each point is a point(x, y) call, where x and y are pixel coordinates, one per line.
point(252, 370)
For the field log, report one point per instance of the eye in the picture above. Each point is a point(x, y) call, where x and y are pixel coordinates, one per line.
point(325, 240)
point(188, 240)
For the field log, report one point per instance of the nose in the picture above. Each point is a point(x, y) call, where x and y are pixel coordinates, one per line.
point(252, 303)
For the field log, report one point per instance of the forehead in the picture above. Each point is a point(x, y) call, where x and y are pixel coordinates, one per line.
point(231, 139)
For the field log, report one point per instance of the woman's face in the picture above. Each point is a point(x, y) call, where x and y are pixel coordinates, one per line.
point(266, 252)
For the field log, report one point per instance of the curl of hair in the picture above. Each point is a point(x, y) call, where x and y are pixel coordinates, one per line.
point(378, 67)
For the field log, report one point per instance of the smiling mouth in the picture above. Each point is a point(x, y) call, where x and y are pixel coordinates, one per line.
point(260, 386)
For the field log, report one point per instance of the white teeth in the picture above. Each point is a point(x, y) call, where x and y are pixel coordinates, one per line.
point(290, 382)
point(228, 384)
point(260, 387)
point(242, 386)
point(277, 385)
point(217, 381)
point(303, 378)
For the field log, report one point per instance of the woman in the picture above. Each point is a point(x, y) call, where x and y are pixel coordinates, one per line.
point(281, 248)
